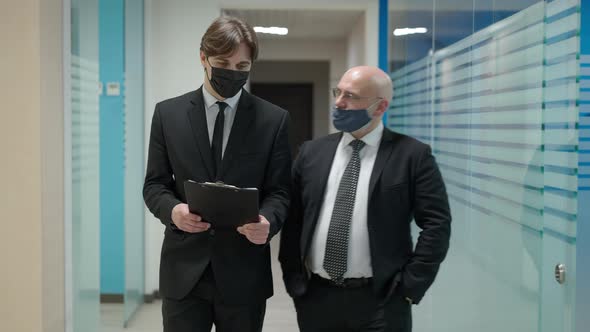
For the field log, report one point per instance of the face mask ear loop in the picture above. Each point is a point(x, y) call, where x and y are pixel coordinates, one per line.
point(205, 68)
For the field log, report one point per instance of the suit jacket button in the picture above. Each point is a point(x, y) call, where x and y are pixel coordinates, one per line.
point(212, 232)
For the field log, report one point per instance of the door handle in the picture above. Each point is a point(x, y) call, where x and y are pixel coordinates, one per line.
point(560, 273)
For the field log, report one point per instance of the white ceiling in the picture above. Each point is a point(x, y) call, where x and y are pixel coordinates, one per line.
point(323, 19)
point(302, 23)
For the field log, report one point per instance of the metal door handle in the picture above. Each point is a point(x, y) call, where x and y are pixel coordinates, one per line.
point(560, 273)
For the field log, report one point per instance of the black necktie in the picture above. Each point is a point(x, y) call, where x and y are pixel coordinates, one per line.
point(336, 255)
point(217, 142)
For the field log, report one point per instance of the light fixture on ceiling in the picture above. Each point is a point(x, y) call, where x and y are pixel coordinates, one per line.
point(408, 31)
point(272, 30)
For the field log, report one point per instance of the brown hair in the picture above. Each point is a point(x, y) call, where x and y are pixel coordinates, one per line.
point(225, 34)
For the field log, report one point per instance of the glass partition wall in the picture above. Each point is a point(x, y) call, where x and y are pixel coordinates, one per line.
point(493, 86)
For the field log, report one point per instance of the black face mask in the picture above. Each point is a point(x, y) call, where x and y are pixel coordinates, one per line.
point(226, 82)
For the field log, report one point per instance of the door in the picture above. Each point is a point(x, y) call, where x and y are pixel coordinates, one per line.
point(82, 169)
point(297, 99)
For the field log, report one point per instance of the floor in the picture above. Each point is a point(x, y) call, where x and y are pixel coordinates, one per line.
point(280, 314)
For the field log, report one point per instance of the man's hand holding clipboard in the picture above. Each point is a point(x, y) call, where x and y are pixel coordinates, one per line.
point(256, 232)
point(186, 221)
point(223, 206)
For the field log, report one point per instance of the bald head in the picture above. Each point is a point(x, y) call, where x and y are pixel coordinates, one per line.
point(370, 81)
point(365, 88)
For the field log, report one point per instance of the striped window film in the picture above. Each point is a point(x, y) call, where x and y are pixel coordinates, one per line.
point(504, 115)
point(501, 107)
point(85, 192)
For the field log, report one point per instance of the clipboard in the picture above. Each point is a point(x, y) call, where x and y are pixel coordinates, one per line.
point(222, 205)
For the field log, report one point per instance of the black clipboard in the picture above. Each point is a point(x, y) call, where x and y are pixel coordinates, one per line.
point(222, 205)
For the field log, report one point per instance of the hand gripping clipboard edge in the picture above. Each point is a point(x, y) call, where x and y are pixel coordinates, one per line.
point(222, 205)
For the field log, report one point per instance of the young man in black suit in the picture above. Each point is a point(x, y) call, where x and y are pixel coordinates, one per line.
point(346, 249)
point(219, 132)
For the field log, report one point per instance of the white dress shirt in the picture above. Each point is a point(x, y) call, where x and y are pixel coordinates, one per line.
point(359, 254)
point(211, 110)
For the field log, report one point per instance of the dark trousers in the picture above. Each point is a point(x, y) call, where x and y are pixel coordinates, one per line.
point(329, 308)
point(203, 307)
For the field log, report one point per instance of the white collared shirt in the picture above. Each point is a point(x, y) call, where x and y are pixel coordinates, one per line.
point(211, 110)
point(359, 254)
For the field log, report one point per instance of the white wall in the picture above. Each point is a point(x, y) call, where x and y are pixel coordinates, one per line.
point(372, 33)
point(32, 145)
point(173, 31)
point(356, 44)
point(363, 40)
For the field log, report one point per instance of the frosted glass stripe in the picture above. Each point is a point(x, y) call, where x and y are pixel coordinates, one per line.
point(564, 159)
point(521, 136)
point(562, 48)
point(527, 162)
point(78, 62)
point(569, 205)
point(409, 83)
point(558, 6)
point(482, 171)
point(509, 98)
point(569, 92)
point(517, 40)
point(517, 59)
point(475, 193)
point(569, 23)
point(528, 156)
point(480, 58)
point(402, 72)
point(564, 69)
point(562, 181)
point(507, 210)
point(485, 182)
point(531, 116)
point(561, 136)
point(409, 89)
point(559, 229)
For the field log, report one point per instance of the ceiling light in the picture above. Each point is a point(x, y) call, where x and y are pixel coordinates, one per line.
point(408, 31)
point(272, 30)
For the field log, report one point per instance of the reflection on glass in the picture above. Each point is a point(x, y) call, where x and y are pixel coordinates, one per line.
point(492, 88)
point(85, 182)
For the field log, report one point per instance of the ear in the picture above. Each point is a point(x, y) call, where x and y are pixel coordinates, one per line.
point(203, 58)
point(381, 108)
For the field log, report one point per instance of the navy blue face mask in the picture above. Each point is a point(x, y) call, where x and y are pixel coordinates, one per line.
point(350, 120)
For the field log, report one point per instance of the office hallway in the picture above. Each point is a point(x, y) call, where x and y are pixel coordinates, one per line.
point(280, 313)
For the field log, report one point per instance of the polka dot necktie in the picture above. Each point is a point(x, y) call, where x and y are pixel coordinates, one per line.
point(336, 255)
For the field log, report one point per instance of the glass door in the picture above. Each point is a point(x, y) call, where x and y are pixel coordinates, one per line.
point(561, 87)
point(83, 177)
point(134, 158)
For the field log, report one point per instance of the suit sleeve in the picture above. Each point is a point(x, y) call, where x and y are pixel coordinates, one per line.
point(158, 188)
point(290, 246)
point(432, 214)
point(275, 192)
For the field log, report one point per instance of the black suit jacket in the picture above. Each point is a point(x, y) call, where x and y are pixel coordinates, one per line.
point(405, 184)
point(257, 155)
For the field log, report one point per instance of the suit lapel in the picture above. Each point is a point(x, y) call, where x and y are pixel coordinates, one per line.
point(383, 154)
point(198, 121)
point(322, 164)
point(244, 117)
